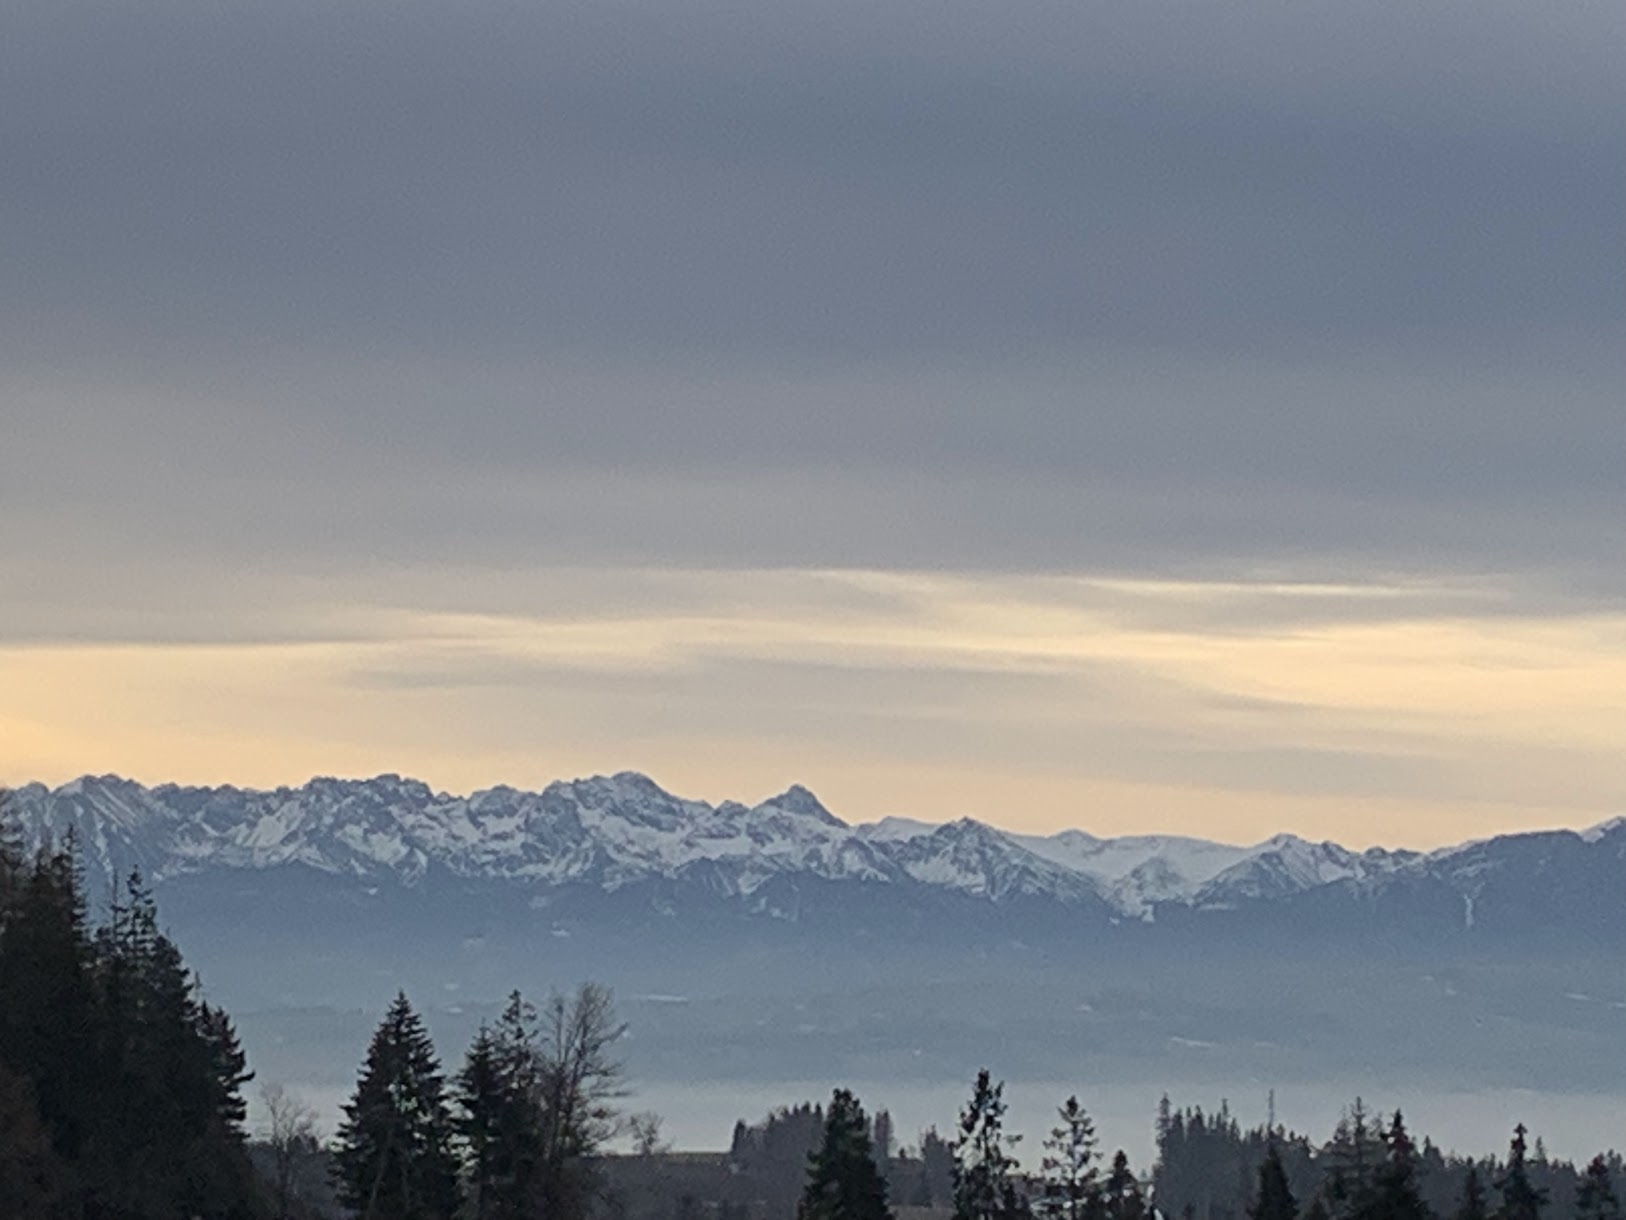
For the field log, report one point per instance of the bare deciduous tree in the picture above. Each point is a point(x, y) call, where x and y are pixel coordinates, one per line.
point(645, 1130)
point(292, 1135)
point(580, 1079)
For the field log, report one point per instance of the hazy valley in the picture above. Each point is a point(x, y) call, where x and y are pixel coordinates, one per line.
point(753, 947)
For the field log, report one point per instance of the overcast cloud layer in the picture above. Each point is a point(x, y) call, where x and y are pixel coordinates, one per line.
point(390, 304)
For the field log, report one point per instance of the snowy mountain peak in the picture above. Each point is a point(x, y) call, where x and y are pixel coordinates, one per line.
point(974, 858)
point(891, 829)
point(799, 800)
point(615, 831)
point(1286, 864)
point(1078, 840)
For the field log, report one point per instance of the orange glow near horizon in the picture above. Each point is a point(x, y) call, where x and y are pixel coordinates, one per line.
point(1031, 703)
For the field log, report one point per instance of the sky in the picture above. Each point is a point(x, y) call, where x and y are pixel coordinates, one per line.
point(1141, 416)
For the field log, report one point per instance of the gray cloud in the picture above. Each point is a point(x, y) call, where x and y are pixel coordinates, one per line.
point(815, 181)
point(1048, 286)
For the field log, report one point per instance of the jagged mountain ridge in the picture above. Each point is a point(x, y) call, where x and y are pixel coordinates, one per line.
point(612, 831)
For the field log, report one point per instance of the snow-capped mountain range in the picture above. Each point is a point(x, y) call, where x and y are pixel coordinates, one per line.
point(612, 832)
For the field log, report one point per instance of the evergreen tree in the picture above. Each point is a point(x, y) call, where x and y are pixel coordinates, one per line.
point(223, 1181)
point(156, 1059)
point(742, 1145)
point(1069, 1190)
point(1595, 1198)
point(110, 1055)
point(29, 1169)
point(228, 1070)
point(984, 1182)
point(1520, 1198)
point(882, 1138)
point(393, 1157)
point(843, 1182)
point(1273, 1200)
point(1170, 1184)
point(936, 1168)
point(481, 1099)
point(1205, 1162)
point(49, 1015)
point(1355, 1152)
point(13, 861)
point(1472, 1206)
point(499, 1093)
point(30, 1174)
point(1394, 1193)
point(1122, 1195)
point(775, 1154)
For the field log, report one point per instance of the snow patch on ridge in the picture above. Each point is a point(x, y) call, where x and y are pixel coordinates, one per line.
point(1603, 830)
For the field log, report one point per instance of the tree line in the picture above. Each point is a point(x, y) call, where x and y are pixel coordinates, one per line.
point(848, 1172)
point(1372, 1168)
point(1207, 1168)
